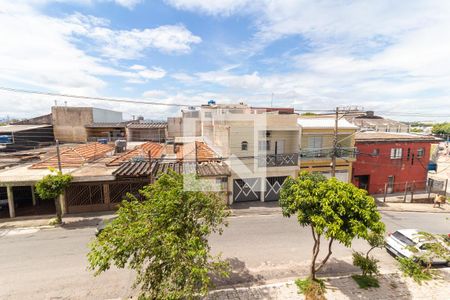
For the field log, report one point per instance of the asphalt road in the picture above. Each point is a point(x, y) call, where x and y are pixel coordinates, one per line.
point(51, 264)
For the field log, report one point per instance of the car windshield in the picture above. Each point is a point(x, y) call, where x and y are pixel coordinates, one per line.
point(402, 238)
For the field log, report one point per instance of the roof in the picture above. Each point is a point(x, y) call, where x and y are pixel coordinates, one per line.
point(107, 125)
point(147, 125)
point(156, 151)
point(371, 136)
point(324, 123)
point(375, 122)
point(17, 128)
point(73, 157)
point(187, 152)
point(146, 168)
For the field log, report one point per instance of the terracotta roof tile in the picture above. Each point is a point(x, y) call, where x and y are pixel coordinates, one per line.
point(155, 149)
point(73, 157)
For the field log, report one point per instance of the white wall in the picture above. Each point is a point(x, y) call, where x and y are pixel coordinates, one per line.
point(106, 116)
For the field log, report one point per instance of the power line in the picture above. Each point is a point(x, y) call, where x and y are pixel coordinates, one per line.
point(137, 101)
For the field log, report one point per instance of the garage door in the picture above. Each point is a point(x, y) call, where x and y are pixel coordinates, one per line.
point(273, 188)
point(246, 189)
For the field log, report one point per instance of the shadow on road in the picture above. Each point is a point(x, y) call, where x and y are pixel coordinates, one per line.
point(82, 223)
point(239, 275)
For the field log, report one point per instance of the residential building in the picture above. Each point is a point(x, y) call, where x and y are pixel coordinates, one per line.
point(259, 146)
point(316, 146)
point(83, 124)
point(155, 131)
point(369, 121)
point(391, 162)
point(188, 125)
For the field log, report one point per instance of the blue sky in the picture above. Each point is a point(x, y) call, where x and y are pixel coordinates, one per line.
point(391, 57)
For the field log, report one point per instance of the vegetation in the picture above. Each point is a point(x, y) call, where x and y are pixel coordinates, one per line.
point(164, 238)
point(368, 264)
point(412, 269)
point(416, 130)
point(334, 211)
point(312, 289)
point(366, 282)
point(433, 247)
point(51, 187)
point(441, 128)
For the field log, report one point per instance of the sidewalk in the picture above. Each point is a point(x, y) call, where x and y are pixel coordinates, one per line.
point(69, 221)
point(272, 208)
point(392, 286)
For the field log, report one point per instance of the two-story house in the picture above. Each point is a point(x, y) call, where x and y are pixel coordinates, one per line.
point(259, 145)
point(316, 146)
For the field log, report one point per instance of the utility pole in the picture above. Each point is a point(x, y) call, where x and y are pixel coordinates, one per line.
point(58, 154)
point(335, 142)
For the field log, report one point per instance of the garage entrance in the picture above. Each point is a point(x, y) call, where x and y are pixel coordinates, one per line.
point(250, 189)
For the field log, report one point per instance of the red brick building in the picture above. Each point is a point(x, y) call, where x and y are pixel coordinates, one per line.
point(395, 161)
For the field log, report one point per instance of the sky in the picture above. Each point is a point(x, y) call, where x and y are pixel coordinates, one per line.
point(392, 57)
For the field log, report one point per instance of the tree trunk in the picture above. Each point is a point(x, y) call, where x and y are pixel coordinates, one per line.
point(58, 209)
point(316, 250)
point(324, 261)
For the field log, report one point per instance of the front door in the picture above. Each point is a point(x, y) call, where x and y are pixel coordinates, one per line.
point(390, 184)
point(279, 147)
point(273, 188)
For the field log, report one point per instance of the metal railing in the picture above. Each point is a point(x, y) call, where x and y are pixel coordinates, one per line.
point(318, 153)
point(278, 160)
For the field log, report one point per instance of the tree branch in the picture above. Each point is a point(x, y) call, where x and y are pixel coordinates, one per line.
point(324, 261)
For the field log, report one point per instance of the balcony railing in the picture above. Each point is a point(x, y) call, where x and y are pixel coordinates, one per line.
point(320, 153)
point(278, 160)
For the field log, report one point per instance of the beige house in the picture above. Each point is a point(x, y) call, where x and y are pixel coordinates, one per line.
point(259, 146)
point(316, 146)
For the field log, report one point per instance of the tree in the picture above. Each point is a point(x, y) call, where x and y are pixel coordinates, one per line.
point(441, 128)
point(334, 210)
point(51, 187)
point(164, 238)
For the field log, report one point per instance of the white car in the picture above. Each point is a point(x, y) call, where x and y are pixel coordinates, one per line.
point(397, 243)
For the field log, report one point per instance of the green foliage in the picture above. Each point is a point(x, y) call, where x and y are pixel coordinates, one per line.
point(312, 289)
point(336, 209)
point(333, 209)
point(164, 239)
point(367, 264)
point(441, 128)
point(433, 247)
point(415, 270)
point(365, 282)
point(53, 185)
point(416, 130)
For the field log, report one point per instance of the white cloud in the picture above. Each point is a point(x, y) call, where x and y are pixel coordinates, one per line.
point(142, 74)
point(211, 7)
point(130, 4)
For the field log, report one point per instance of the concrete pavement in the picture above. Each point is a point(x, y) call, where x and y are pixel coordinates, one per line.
point(51, 263)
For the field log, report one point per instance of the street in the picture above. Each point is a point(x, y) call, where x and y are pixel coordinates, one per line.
point(51, 263)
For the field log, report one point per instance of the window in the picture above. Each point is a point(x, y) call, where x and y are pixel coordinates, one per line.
point(315, 142)
point(244, 146)
point(208, 114)
point(375, 152)
point(420, 152)
point(408, 154)
point(396, 153)
point(264, 145)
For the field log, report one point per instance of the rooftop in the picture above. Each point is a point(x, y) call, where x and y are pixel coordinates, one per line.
point(324, 123)
point(75, 156)
point(18, 128)
point(147, 125)
point(392, 136)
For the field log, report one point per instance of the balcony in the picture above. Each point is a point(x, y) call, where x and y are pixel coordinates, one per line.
point(278, 160)
point(326, 153)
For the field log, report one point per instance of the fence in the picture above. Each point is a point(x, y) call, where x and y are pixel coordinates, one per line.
point(414, 191)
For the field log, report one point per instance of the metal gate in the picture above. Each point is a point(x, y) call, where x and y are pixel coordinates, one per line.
point(119, 191)
point(84, 194)
point(246, 189)
point(273, 188)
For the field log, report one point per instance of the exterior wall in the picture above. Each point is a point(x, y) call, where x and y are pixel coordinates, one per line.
point(323, 164)
point(69, 122)
point(183, 127)
point(146, 134)
point(106, 116)
point(378, 168)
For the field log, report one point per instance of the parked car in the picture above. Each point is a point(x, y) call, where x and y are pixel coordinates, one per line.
point(398, 243)
point(103, 224)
